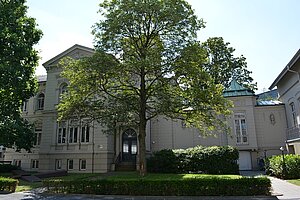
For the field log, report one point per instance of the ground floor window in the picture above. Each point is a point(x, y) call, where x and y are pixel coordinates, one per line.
point(58, 164)
point(70, 165)
point(17, 163)
point(82, 164)
point(34, 164)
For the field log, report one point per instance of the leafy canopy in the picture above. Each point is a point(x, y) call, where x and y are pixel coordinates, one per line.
point(18, 59)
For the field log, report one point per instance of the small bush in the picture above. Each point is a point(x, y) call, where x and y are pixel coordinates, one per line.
point(4, 168)
point(209, 160)
point(290, 169)
point(8, 184)
point(205, 186)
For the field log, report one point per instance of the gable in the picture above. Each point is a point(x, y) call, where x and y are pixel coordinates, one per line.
point(76, 52)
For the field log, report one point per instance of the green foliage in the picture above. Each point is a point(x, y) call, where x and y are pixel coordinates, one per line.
point(203, 186)
point(4, 168)
point(135, 74)
point(222, 65)
point(8, 184)
point(164, 161)
point(289, 169)
point(18, 60)
point(209, 160)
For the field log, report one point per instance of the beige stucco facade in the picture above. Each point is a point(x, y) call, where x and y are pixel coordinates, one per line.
point(288, 85)
point(261, 129)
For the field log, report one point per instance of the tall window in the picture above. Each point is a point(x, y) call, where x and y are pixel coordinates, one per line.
point(40, 101)
point(61, 132)
point(240, 128)
point(70, 165)
point(82, 164)
point(294, 115)
point(63, 89)
point(85, 133)
point(38, 133)
point(34, 164)
point(73, 131)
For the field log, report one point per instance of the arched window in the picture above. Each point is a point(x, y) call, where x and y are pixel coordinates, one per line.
point(63, 88)
point(40, 101)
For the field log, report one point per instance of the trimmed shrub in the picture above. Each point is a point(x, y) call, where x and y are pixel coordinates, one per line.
point(199, 159)
point(205, 186)
point(164, 161)
point(8, 184)
point(4, 168)
point(290, 169)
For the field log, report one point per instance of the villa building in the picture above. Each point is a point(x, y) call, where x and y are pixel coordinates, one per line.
point(257, 130)
point(288, 86)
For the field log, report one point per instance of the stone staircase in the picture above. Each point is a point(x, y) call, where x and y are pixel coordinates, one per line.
point(126, 166)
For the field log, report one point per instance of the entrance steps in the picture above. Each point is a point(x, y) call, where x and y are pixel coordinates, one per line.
point(126, 166)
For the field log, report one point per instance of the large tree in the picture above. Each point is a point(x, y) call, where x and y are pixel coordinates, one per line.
point(18, 59)
point(140, 70)
point(223, 65)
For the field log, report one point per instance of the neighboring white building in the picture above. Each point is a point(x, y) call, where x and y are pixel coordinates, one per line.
point(258, 130)
point(288, 85)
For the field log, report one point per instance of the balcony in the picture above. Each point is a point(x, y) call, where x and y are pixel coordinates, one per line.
point(293, 133)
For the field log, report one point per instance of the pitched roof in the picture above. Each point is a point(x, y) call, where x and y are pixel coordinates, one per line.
point(286, 69)
point(235, 89)
point(64, 53)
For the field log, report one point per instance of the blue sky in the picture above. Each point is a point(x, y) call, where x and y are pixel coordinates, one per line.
point(266, 32)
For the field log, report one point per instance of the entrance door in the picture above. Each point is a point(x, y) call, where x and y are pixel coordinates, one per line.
point(244, 160)
point(129, 147)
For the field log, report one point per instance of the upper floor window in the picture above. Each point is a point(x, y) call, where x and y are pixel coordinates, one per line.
point(40, 101)
point(62, 132)
point(63, 89)
point(294, 115)
point(85, 133)
point(38, 133)
point(73, 131)
point(240, 128)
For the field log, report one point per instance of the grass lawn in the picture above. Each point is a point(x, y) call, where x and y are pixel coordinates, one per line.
point(295, 181)
point(25, 186)
point(135, 175)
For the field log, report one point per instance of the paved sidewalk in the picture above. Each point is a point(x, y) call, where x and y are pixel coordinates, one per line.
point(284, 189)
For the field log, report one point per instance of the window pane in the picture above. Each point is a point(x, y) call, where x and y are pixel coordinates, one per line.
point(87, 139)
point(133, 147)
point(125, 147)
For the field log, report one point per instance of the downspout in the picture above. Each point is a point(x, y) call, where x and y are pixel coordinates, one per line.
point(93, 154)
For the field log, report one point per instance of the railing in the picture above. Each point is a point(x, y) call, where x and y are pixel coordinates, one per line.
point(119, 158)
point(293, 133)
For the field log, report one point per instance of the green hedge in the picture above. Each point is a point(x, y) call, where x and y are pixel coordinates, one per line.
point(8, 184)
point(199, 159)
point(186, 187)
point(4, 168)
point(274, 166)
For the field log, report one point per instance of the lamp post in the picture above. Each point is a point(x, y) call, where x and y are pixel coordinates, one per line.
point(283, 161)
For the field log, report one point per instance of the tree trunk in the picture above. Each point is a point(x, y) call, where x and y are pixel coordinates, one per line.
point(142, 125)
point(142, 148)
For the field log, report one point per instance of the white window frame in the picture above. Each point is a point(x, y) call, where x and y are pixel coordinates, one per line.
point(38, 132)
point(61, 132)
point(18, 162)
point(63, 88)
point(73, 131)
point(69, 165)
point(240, 128)
point(82, 164)
point(41, 101)
point(34, 164)
point(85, 133)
